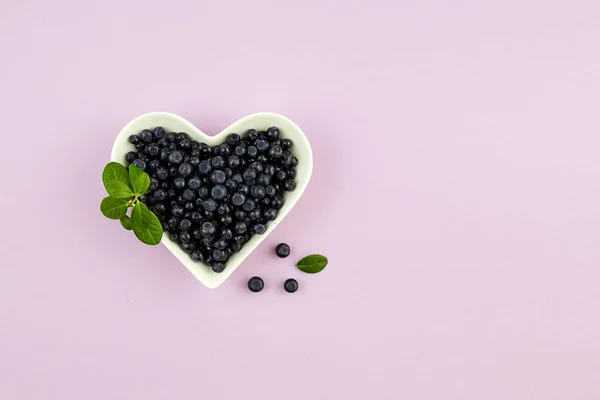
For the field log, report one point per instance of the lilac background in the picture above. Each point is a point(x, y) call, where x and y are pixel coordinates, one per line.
point(456, 193)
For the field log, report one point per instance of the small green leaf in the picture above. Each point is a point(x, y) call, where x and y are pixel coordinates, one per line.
point(126, 222)
point(113, 208)
point(312, 264)
point(116, 180)
point(140, 181)
point(146, 226)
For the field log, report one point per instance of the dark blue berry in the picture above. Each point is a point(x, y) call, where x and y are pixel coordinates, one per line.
point(218, 267)
point(227, 234)
point(240, 150)
point(258, 192)
point(286, 143)
point(194, 183)
point(282, 250)
point(252, 134)
point(141, 164)
point(210, 205)
point(224, 149)
point(249, 174)
point(262, 145)
point(185, 224)
point(217, 162)
point(259, 229)
point(290, 285)
point(249, 205)
point(256, 284)
point(203, 192)
point(134, 139)
point(179, 183)
point(152, 165)
point(233, 139)
point(208, 229)
point(131, 156)
point(188, 194)
point(160, 194)
point(238, 199)
point(197, 256)
point(289, 185)
point(217, 176)
point(252, 151)
point(275, 151)
point(159, 133)
point(272, 133)
point(218, 192)
point(270, 214)
point(146, 136)
point(184, 236)
point(152, 150)
point(240, 227)
point(185, 169)
point(175, 157)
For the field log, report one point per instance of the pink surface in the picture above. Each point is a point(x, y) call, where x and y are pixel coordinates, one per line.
point(456, 192)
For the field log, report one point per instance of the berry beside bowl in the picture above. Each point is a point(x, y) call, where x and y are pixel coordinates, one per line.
point(210, 277)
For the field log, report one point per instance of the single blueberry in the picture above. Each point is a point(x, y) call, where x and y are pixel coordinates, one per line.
point(134, 139)
point(256, 284)
point(175, 157)
point(217, 176)
point(146, 136)
point(210, 205)
point(290, 285)
point(238, 199)
point(131, 156)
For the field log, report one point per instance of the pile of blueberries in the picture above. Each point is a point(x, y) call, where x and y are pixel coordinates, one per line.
point(213, 199)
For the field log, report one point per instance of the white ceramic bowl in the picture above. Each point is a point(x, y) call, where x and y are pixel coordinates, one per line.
point(259, 121)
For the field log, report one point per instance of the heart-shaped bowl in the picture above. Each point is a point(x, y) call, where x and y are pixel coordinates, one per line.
point(260, 121)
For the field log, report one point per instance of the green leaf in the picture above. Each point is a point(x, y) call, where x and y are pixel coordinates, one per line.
point(146, 226)
point(126, 222)
point(113, 208)
point(116, 180)
point(140, 181)
point(312, 264)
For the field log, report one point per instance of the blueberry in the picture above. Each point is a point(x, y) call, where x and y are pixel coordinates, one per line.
point(240, 150)
point(257, 166)
point(238, 199)
point(160, 194)
point(208, 229)
point(177, 210)
point(174, 236)
point(153, 184)
point(184, 236)
point(131, 156)
point(184, 144)
point(224, 149)
point(218, 192)
point(270, 214)
point(164, 153)
point(159, 133)
point(219, 244)
point(256, 284)
point(259, 228)
point(173, 221)
point(152, 150)
point(233, 139)
point(277, 202)
point(152, 165)
point(185, 169)
point(204, 167)
point(175, 157)
point(240, 227)
point(194, 160)
point(188, 194)
point(269, 170)
point(179, 183)
point(252, 151)
point(188, 247)
point(255, 214)
point(159, 208)
point(171, 137)
point(272, 133)
point(223, 209)
point(290, 285)
point(249, 205)
point(289, 185)
point(210, 205)
point(230, 184)
point(282, 250)
point(134, 139)
point(194, 183)
point(240, 215)
point(281, 175)
point(227, 234)
point(217, 176)
point(270, 190)
point(146, 136)
point(275, 151)
point(233, 161)
point(185, 224)
point(258, 192)
point(141, 164)
point(262, 158)
point(218, 267)
point(236, 247)
point(286, 143)
point(197, 256)
point(262, 145)
point(252, 134)
point(217, 162)
point(203, 192)
point(249, 174)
